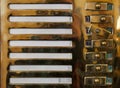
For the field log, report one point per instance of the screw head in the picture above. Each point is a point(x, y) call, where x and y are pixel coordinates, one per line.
point(97, 30)
point(98, 6)
point(97, 80)
point(98, 68)
point(97, 55)
point(103, 19)
point(104, 43)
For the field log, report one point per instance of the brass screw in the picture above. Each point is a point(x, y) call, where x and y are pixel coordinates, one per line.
point(97, 55)
point(96, 80)
point(104, 43)
point(98, 68)
point(103, 19)
point(97, 30)
point(98, 6)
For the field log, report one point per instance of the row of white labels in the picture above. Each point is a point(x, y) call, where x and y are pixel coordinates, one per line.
point(20, 43)
point(40, 43)
point(40, 18)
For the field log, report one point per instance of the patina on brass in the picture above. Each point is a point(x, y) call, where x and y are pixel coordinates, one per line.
point(78, 37)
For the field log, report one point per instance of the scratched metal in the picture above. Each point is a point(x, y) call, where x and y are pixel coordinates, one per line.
point(78, 38)
point(40, 12)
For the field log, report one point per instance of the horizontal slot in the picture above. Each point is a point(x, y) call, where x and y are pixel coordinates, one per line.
point(41, 12)
point(40, 31)
point(40, 25)
point(30, 81)
point(42, 43)
point(40, 50)
point(55, 68)
point(40, 19)
point(41, 6)
point(37, 37)
point(42, 62)
point(41, 55)
point(39, 74)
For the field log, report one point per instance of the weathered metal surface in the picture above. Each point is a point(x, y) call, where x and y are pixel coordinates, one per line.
point(77, 37)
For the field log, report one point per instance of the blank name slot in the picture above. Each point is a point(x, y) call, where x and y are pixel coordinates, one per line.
point(41, 6)
point(41, 43)
point(40, 19)
point(41, 55)
point(42, 81)
point(40, 31)
point(54, 68)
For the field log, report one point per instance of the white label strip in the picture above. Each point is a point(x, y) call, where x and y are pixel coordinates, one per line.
point(41, 55)
point(41, 43)
point(22, 81)
point(55, 68)
point(40, 31)
point(40, 18)
point(41, 6)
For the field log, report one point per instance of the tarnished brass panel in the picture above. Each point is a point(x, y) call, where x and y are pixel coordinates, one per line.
point(92, 39)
